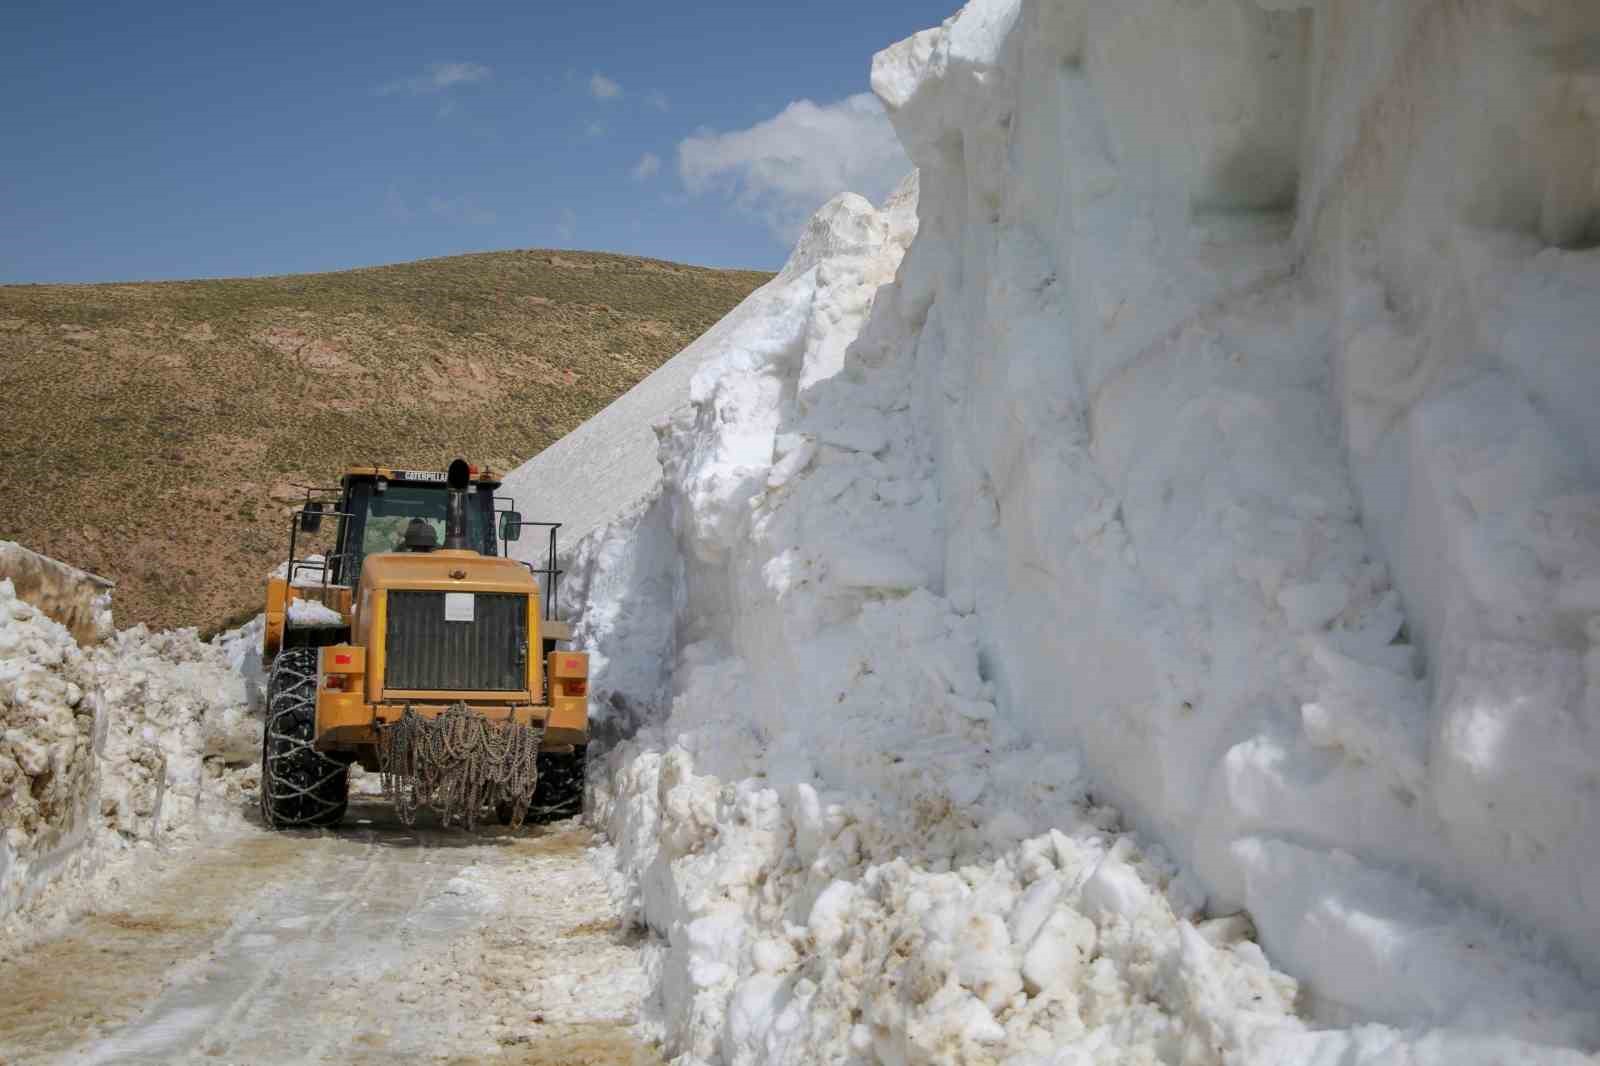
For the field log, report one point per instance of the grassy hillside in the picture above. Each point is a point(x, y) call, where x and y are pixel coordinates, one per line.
point(154, 432)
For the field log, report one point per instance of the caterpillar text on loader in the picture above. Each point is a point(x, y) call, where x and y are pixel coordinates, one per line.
point(412, 648)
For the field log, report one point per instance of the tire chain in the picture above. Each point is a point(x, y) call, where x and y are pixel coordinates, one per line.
point(457, 764)
point(294, 773)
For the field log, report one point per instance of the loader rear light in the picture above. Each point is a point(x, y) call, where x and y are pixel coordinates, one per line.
point(574, 686)
point(334, 681)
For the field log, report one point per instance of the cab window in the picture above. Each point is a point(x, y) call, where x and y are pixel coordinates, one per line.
point(377, 521)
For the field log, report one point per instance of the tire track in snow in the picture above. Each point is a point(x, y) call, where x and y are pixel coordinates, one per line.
point(262, 991)
point(105, 967)
point(375, 944)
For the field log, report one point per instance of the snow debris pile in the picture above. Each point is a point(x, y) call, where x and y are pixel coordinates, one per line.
point(181, 742)
point(49, 714)
point(1205, 431)
point(141, 737)
point(868, 889)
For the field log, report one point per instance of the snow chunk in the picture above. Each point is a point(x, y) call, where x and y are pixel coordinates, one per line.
point(312, 613)
point(1057, 954)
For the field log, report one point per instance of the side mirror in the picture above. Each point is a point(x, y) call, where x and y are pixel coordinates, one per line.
point(510, 525)
point(311, 518)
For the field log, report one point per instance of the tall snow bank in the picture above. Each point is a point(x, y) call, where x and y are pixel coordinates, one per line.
point(839, 809)
point(1221, 450)
point(607, 466)
point(622, 578)
point(1261, 399)
point(141, 738)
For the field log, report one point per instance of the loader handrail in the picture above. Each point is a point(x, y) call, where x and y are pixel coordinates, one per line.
point(549, 570)
point(325, 508)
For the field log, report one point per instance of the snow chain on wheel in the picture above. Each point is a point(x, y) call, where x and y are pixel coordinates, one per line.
point(560, 793)
point(300, 786)
point(458, 764)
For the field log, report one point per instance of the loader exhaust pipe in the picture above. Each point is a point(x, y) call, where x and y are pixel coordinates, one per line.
point(457, 479)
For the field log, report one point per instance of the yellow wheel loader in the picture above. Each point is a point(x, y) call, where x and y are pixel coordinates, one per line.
point(411, 647)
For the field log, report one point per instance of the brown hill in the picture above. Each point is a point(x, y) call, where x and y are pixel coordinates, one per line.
point(153, 432)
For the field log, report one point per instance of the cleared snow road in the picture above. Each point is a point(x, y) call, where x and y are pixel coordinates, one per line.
point(375, 944)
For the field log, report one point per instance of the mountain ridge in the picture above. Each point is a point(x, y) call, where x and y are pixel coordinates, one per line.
point(156, 431)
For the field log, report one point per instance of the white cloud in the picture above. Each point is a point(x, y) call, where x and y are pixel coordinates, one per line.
point(437, 77)
point(657, 99)
point(595, 130)
point(448, 74)
point(603, 88)
point(646, 167)
point(784, 168)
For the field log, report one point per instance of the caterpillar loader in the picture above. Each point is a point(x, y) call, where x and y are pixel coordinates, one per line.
point(412, 648)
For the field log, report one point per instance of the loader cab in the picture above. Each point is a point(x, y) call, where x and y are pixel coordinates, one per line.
point(377, 506)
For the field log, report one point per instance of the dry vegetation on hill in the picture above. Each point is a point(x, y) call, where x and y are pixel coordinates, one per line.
point(154, 432)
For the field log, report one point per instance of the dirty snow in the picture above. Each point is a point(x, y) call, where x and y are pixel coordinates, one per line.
point(141, 739)
point(147, 919)
point(181, 743)
point(378, 943)
point(50, 713)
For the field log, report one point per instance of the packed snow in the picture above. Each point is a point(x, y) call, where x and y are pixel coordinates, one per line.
point(1151, 556)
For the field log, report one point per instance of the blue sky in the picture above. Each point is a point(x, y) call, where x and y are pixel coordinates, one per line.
point(176, 140)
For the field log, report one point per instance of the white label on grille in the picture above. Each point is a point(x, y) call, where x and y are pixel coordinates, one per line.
point(458, 606)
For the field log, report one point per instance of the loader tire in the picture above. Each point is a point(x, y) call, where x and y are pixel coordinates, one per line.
point(300, 786)
point(560, 791)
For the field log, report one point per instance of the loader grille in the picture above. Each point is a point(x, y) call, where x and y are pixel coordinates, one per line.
point(488, 653)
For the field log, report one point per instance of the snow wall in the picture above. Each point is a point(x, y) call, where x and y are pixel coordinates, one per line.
point(1256, 348)
point(131, 740)
point(1221, 450)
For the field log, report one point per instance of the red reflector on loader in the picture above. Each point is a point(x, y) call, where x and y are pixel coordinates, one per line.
point(341, 660)
point(572, 664)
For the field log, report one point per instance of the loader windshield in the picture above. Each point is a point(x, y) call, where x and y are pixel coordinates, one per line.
point(379, 519)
